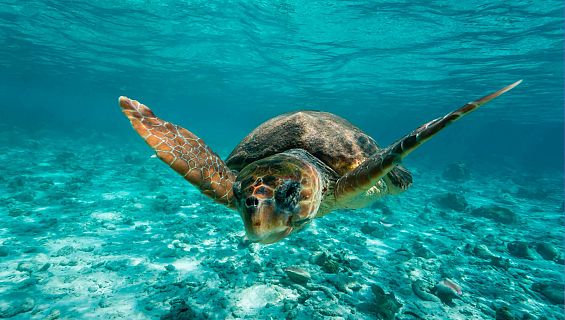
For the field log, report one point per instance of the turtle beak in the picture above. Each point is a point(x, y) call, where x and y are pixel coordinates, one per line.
point(264, 223)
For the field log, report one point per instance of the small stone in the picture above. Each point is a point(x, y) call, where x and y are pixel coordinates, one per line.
point(483, 252)
point(447, 290)
point(15, 303)
point(170, 268)
point(547, 251)
point(422, 290)
point(496, 213)
point(421, 251)
point(45, 267)
point(103, 303)
point(116, 265)
point(456, 172)
point(452, 201)
point(53, 315)
point(298, 275)
point(64, 251)
point(3, 251)
point(24, 267)
point(86, 248)
point(374, 229)
point(165, 252)
point(386, 303)
point(141, 227)
point(180, 310)
point(503, 313)
point(520, 249)
point(552, 291)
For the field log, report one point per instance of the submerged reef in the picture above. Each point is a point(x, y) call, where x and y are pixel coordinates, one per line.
point(95, 233)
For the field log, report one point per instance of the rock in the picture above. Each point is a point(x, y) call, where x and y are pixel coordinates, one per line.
point(520, 249)
point(86, 248)
point(500, 262)
point(116, 265)
point(298, 275)
point(503, 313)
point(45, 267)
point(447, 290)
point(421, 251)
point(103, 303)
point(380, 205)
point(53, 315)
point(179, 311)
point(386, 303)
point(170, 268)
point(456, 172)
point(496, 213)
point(327, 261)
point(64, 251)
point(374, 229)
point(4, 251)
point(423, 292)
point(25, 266)
point(532, 193)
point(355, 264)
point(483, 252)
point(452, 201)
point(165, 252)
point(552, 291)
point(15, 303)
point(547, 251)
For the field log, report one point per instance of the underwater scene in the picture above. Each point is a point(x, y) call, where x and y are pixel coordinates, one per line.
point(265, 159)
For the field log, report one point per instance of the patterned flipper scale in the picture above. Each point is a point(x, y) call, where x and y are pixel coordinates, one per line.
point(378, 165)
point(183, 151)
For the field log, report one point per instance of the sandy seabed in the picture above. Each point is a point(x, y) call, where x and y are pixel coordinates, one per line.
point(90, 231)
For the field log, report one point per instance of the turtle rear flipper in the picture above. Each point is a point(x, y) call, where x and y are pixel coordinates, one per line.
point(182, 151)
point(367, 174)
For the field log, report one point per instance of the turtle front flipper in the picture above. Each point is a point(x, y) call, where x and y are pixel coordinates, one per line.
point(365, 176)
point(183, 151)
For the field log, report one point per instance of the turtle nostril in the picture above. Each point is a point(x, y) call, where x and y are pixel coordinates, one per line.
point(251, 202)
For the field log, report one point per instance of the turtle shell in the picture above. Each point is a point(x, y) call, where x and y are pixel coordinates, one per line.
point(332, 139)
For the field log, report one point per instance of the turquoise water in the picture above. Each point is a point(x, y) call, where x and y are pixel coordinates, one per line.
point(92, 227)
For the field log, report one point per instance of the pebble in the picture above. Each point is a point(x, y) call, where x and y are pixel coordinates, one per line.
point(456, 172)
point(496, 213)
point(386, 304)
point(45, 267)
point(14, 303)
point(546, 251)
point(298, 275)
point(64, 251)
point(24, 266)
point(552, 291)
point(452, 201)
point(483, 252)
point(423, 292)
point(520, 249)
point(447, 290)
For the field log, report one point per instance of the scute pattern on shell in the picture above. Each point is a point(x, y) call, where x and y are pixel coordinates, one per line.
point(332, 139)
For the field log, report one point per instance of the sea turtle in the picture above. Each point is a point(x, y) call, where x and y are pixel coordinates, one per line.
point(293, 168)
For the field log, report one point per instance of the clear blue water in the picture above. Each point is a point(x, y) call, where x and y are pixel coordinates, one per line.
point(220, 70)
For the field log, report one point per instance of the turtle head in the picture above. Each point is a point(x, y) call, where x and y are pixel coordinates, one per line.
point(277, 196)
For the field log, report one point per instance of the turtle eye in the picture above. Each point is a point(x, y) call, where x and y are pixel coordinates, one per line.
point(287, 194)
